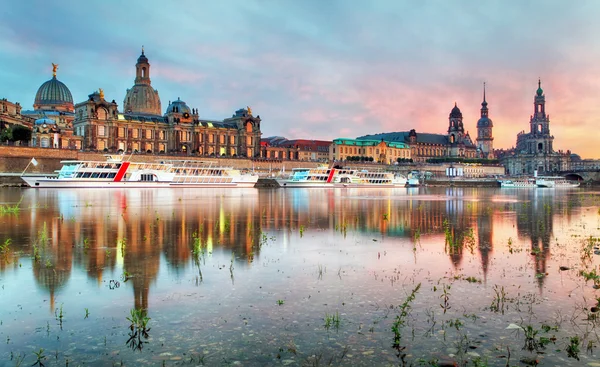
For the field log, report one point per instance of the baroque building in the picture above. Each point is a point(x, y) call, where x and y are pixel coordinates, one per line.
point(424, 146)
point(141, 128)
point(534, 151)
point(379, 151)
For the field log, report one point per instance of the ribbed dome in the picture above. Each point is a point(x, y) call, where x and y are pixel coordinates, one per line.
point(179, 106)
point(455, 113)
point(53, 92)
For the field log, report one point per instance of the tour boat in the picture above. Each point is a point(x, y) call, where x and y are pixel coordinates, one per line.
point(118, 173)
point(555, 182)
point(523, 182)
point(341, 177)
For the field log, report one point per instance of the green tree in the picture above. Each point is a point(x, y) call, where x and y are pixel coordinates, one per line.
point(21, 133)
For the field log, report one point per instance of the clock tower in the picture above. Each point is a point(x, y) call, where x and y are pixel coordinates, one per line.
point(485, 139)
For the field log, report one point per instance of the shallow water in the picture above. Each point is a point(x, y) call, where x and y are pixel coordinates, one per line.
point(300, 277)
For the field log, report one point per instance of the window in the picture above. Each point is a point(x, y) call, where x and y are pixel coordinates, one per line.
point(121, 132)
point(101, 131)
point(222, 139)
point(134, 133)
point(148, 134)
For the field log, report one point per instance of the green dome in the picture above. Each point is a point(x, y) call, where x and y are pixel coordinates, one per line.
point(53, 92)
point(540, 91)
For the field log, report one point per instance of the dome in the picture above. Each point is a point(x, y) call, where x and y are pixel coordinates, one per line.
point(455, 113)
point(540, 91)
point(142, 59)
point(53, 93)
point(485, 122)
point(45, 120)
point(143, 99)
point(179, 106)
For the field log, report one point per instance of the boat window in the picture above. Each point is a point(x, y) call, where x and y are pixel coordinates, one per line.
point(95, 175)
point(103, 175)
point(87, 174)
point(112, 175)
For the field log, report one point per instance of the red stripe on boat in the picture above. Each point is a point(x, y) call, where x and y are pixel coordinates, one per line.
point(331, 175)
point(121, 172)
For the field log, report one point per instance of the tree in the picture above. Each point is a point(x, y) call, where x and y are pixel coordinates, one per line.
point(21, 133)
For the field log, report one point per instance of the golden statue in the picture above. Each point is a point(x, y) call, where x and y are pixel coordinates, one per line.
point(54, 67)
point(249, 110)
point(101, 92)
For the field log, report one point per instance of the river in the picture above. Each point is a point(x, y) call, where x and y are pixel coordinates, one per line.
point(356, 277)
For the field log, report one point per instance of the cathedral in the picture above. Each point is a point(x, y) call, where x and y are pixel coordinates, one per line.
point(534, 151)
point(456, 143)
point(139, 127)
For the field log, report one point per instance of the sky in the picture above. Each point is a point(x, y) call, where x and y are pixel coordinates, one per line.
point(324, 69)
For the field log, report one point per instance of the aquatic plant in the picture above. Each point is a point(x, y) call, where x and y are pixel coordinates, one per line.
point(499, 299)
point(302, 230)
point(445, 296)
point(40, 357)
point(5, 249)
point(400, 320)
point(280, 302)
point(87, 313)
point(573, 347)
point(138, 328)
point(11, 209)
point(332, 320)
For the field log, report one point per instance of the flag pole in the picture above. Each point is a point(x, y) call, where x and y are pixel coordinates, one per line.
point(28, 164)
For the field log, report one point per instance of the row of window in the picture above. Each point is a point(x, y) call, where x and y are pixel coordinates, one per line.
point(150, 134)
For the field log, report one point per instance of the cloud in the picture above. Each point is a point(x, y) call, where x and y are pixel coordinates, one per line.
point(315, 69)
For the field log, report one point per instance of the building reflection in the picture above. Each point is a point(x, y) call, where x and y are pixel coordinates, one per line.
point(100, 231)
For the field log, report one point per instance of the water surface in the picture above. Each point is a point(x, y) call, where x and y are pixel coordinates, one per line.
point(300, 276)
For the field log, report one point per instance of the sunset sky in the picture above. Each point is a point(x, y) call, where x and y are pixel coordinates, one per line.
point(324, 69)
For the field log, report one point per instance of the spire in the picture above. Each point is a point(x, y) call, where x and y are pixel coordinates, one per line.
point(142, 49)
point(540, 91)
point(484, 103)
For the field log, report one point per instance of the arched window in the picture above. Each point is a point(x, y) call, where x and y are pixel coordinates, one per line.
point(102, 113)
point(540, 147)
point(143, 72)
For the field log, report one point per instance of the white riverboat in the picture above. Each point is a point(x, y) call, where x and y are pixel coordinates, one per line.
point(118, 173)
point(341, 177)
point(555, 182)
point(521, 182)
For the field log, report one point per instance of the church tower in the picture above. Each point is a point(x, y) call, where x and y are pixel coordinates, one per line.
point(142, 98)
point(485, 138)
point(539, 124)
point(456, 133)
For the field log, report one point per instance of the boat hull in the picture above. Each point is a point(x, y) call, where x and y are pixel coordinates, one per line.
point(53, 183)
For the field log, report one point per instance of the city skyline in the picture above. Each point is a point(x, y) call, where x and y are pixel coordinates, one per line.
point(324, 70)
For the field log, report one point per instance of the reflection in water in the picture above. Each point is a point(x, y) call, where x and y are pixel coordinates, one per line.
point(140, 236)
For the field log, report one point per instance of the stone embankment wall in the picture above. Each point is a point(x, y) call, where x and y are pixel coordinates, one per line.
point(13, 160)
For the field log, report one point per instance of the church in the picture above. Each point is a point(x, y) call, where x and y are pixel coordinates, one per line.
point(534, 151)
point(456, 143)
point(139, 127)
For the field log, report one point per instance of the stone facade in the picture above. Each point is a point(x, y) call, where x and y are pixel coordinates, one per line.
point(98, 125)
point(423, 146)
point(379, 151)
point(534, 150)
point(277, 147)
